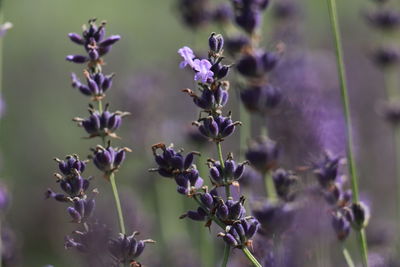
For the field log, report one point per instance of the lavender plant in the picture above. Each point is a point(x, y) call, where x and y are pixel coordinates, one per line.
point(92, 237)
point(214, 206)
point(349, 133)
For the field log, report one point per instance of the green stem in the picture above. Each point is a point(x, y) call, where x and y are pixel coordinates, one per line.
point(347, 257)
point(270, 187)
point(117, 204)
point(250, 257)
point(397, 156)
point(346, 108)
point(221, 160)
point(227, 251)
point(100, 106)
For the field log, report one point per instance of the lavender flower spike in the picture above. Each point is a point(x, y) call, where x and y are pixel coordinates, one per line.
point(188, 56)
point(203, 70)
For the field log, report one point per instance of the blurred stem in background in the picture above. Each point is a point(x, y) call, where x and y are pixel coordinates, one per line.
point(393, 96)
point(206, 246)
point(227, 248)
point(346, 108)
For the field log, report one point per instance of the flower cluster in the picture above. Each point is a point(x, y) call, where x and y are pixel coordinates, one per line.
point(93, 238)
point(196, 14)
point(74, 187)
point(345, 213)
point(173, 164)
point(126, 249)
point(223, 210)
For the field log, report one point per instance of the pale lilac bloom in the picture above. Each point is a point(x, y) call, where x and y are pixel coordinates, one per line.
point(188, 56)
point(202, 68)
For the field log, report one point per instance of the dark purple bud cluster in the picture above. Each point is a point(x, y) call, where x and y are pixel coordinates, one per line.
point(96, 84)
point(240, 233)
point(81, 210)
point(95, 44)
point(210, 99)
point(285, 9)
point(216, 127)
point(109, 159)
point(194, 13)
point(71, 181)
point(223, 14)
point(173, 164)
point(126, 249)
point(384, 19)
point(386, 56)
point(391, 112)
point(236, 44)
point(344, 213)
point(261, 99)
point(326, 170)
point(102, 124)
point(93, 240)
point(263, 154)
point(283, 181)
point(258, 64)
point(231, 172)
point(248, 13)
point(275, 218)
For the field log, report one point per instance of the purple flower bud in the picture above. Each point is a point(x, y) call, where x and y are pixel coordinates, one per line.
point(93, 54)
point(195, 216)
point(79, 59)
point(76, 217)
point(222, 211)
point(207, 199)
point(229, 239)
point(76, 38)
point(110, 41)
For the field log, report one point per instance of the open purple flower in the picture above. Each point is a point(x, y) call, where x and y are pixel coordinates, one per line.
point(188, 56)
point(203, 70)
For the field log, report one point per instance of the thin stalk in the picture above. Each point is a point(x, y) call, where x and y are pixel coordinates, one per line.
point(100, 106)
point(117, 204)
point(221, 160)
point(270, 187)
point(227, 251)
point(346, 108)
point(347, 257)
point(250, 257)
point(397, 147)
point(206, 247)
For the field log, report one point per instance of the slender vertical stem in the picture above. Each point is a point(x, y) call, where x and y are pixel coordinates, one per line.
point(397, 147)
point(221, 160)
point(227, 251)
point(250, 257)
point(270, 187)
point(347, 257)
point(100, 106)
point(117, 203)
point(346, 108)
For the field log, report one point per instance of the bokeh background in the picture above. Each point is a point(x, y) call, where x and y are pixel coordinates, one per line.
point(40, 104)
